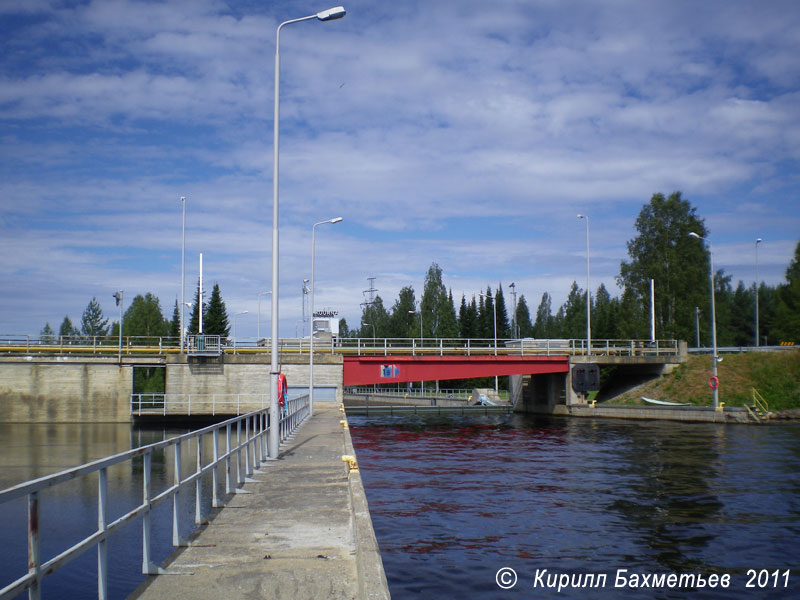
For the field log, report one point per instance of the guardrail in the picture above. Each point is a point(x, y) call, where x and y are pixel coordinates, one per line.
point(16, 344)
point(196, 404)
point(247, 452)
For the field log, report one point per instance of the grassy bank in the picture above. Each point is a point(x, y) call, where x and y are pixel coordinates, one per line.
point(776, 375)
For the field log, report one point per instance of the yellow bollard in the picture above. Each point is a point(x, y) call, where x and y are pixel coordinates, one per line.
point(351, 461)
point(344, 424)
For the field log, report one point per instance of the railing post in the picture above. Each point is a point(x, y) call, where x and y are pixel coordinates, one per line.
point(215, 472)
point(176, 539)
point(34, 555)
point(198, 506)
point(228, 482)
point(248, 470)
point(239, 474)
point(147, 561)
point(102, 545)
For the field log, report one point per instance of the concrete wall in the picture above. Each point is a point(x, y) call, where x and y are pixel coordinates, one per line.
point(64, 390)
point(98, 390)
point(668, 413)
point(537, 393)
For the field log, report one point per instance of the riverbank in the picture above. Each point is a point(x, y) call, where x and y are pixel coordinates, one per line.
point(776, 376)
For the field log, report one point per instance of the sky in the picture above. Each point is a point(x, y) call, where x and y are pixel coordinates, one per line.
point(465, 133)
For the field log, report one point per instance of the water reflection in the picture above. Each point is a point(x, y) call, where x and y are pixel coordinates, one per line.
point(68, 512)
point(453, 500)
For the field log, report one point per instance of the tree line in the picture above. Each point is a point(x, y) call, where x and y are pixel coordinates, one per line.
point(144, 318)
point(662, 250)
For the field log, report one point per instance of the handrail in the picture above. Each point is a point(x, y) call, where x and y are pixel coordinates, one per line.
point(102, 346)
point(759, 401)
point(248, 451)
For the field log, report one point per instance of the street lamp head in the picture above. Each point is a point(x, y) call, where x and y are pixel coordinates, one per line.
point(759, 240)
point(336, 220)
point(694, 235)
point(331, 14)
point(581, 216)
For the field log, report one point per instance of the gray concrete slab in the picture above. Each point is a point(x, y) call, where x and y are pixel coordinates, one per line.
point(302, 531)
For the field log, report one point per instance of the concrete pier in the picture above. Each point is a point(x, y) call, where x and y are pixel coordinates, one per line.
point(301, 530)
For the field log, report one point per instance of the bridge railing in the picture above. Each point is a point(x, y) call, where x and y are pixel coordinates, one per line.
point(243, 450)
point(136, 345)
point(143, 405)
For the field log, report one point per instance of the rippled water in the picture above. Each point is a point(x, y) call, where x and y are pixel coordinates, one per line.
point(454, 500)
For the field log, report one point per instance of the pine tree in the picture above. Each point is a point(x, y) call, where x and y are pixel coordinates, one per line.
point(467, 319)
point(523, 318)
point(175, 324)
point(438, 313)
point(144, 318)
point(503, 327)
point(543, 328)
point(67, 329)
point(401, 323)
point(92, 321)
point(216, 317)
point(787, 309)
point(47, 335)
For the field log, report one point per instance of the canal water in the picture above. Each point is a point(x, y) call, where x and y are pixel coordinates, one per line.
point(68, 512)
point(464, 507)
point(459, 502)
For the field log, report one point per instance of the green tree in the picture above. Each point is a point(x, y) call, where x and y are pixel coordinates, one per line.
point(544, 326)
point(663, 251)
point(175, 324)
point(403, 318)
point(503, 326)
point(92, 321)
point(374, 319)
point(486, 314)
point(787, 309)
point(438, 313)
point(523, 318)
point(47, 335)
point(144, 319)
point(216, 317)
point(194, 317)
point(468, 319)
point(574, 310)
point(67, 329)
point(603, 315)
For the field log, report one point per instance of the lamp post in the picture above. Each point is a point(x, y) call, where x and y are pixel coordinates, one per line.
point(118, 297)
point(311, 342)
point(588, 295)
point(303, 307)
point(183, 265)
point(758, 241)
point(715, 381)
point(494, 310)
point(244, 312)
point(413, 312)
point(274, 418)
point(258, 321)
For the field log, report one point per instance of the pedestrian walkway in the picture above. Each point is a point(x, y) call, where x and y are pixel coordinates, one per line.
point(301, 530)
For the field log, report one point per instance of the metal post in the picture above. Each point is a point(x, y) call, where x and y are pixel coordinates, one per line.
point(102, 546)
point(758, 241)
point(147, 560)
point(183, 269)
point(588, 293)
point(198, 505)
point(34, 554)
point(176, 538)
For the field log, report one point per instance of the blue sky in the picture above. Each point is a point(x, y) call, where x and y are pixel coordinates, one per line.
point(461, 132)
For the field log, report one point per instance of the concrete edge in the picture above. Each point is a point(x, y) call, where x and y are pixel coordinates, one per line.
point(372, 582)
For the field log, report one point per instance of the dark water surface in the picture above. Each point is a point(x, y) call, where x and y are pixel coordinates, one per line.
point(454, 500)
point(68, 512)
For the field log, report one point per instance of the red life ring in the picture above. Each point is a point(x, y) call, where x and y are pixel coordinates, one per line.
point(713, 383)
point(283, 388)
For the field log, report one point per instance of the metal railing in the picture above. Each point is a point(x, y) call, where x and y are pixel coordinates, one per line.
point(196, 404)
point(245, 447)
point(460, 394)
point(132, 345)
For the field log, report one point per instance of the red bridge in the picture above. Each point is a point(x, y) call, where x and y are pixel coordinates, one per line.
point(368, 370)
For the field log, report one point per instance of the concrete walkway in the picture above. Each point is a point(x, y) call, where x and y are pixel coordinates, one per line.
point(302, 531)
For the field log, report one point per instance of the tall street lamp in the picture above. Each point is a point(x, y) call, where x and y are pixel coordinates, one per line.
point(244, 312)
point(413, 312)
point(588, 295)
point(311, 343)
point(714, 379)
point(183, 265)
point(758, 241)
point(274, 370)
